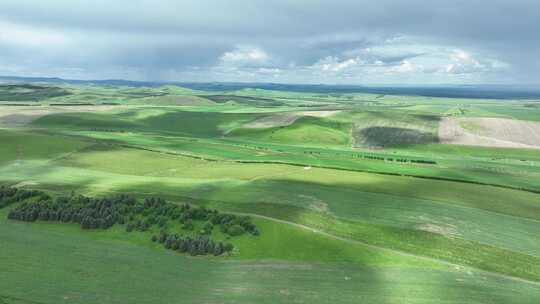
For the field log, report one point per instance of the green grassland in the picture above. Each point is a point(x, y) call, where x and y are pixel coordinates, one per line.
point(305, 131)
point(360, 205)
point(112, 267)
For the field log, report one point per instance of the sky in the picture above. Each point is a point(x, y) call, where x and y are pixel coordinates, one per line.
point(386, 42)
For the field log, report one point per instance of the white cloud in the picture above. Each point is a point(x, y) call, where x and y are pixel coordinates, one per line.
point(403, 60)
point(405, 67)
point(245, 56)
point(463, 62)
point(461, 55)
point(333, 64)
point(11, 33)
point(270, 71)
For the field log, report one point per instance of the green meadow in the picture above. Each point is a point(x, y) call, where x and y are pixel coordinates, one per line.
point(357, 196)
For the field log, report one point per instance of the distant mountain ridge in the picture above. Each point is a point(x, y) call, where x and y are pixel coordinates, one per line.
point(451, 91)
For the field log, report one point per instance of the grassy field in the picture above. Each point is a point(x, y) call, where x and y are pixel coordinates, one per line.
point(114, 267)
point(355, 198)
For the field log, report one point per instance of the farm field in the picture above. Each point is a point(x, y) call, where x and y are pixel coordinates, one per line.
point(357, 196)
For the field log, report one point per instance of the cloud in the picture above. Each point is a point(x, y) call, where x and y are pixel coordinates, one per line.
point(245, 56)
point(333, 64)
point(465, 63)
point(271, 71)
point(351, 41)
point(405, 60)
point(405, 67)
point(20, 35)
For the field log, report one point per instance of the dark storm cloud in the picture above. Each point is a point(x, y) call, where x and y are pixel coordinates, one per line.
point(295, 40)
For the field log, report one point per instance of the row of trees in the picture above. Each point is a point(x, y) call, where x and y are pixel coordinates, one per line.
point(200, 245)
point(11, 195)
point(90, 213)
point(382, 158)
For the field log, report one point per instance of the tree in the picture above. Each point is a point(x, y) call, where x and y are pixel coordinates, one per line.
point(192, 247)
point(235, 230)
point(182, 246)
point(218, 249)
point(188, 225)
point(228, 247)
point(207, 228)
point(162, 237)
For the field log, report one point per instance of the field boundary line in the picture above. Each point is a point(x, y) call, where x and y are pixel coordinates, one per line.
point(277, 162)
point(396, 251)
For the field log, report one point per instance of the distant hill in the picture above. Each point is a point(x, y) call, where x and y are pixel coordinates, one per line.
point(451, 91)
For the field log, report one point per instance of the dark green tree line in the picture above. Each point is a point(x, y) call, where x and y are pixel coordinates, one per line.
point(136, 215)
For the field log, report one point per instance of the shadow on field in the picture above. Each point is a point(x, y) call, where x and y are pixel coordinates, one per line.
point(198, 124)
point(383, 137)
point(315, 279)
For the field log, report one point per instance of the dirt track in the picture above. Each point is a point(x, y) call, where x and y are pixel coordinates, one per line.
point(490, 132)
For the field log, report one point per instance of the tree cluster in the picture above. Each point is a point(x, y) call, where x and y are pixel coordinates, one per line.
point(234, 225)
point(90, 213)
point(421, 161)
point(137, 215)
point(401, 160)
point(200, 245)
point(11, 195)
point(156, 210)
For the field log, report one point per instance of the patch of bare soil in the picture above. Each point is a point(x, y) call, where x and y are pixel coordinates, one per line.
point(446, 230)
point(285, 119)
point(274, 120)
point(17, 119)
point(319, 113)
point(15, 116)
point(490, 132)
point(315, 203)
